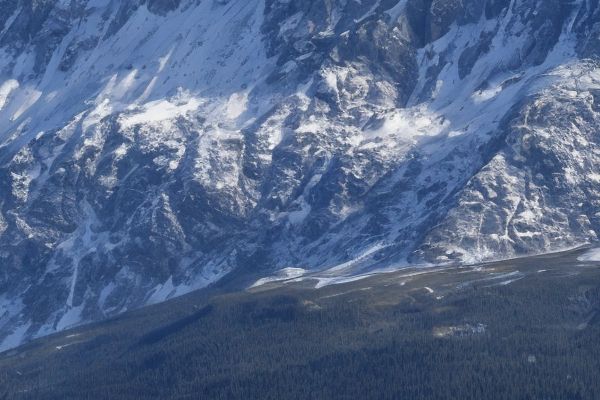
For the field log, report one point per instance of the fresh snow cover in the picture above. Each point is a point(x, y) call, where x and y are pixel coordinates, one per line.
point(282, 275)
point(156, 111)
point(6, 88)
point(590, 255)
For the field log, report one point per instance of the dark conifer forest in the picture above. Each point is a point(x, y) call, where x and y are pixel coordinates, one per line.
point(527, 329)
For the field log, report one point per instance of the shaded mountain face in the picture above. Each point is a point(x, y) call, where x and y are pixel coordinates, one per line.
point(149, 148)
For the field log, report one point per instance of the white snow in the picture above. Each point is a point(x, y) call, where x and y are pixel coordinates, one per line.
point(344, 267)
point(397, 10)
point(6, 89)
point(504, 279)
point(590, 255)
point(157, 111)
point(71, 318)
point(281, 275)
point(162, 292)
point(236, 105)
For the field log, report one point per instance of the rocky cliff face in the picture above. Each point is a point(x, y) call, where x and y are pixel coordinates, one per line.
point(148, 148)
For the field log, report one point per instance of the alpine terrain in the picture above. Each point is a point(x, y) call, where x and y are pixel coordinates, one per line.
point(149, 148)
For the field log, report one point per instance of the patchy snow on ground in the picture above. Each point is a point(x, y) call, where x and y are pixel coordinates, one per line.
point(590, 255)
point(281, 275)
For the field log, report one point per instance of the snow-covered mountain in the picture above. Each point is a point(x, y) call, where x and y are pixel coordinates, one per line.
point(151, 147)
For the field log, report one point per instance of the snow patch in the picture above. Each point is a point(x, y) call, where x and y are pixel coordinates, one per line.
point(237, 105)
point(590, 255)
point(162, 292)
point(6, 89)
point(157, 111)
point(282, 275)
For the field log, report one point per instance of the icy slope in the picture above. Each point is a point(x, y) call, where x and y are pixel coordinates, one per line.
point(149, 148)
